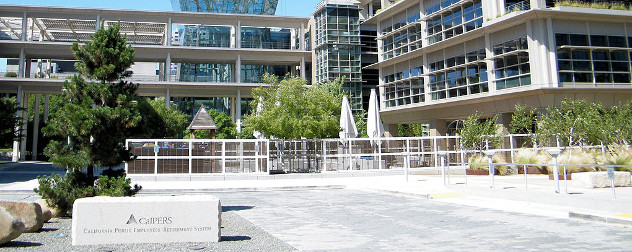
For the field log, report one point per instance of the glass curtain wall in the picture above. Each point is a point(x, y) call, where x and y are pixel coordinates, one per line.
point(260, 7)
point(337, 29)
point(254, 73)
point(265, 38)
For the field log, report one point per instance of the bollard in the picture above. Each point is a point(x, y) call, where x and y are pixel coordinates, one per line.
point(556, 169)
point(443, 168)
point(492, 170)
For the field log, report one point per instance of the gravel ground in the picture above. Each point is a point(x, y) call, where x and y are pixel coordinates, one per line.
point(238, 234)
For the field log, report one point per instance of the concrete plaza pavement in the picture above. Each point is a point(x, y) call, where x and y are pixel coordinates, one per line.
point(509, 193)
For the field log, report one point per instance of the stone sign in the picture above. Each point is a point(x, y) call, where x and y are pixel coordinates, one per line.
point(155, 219)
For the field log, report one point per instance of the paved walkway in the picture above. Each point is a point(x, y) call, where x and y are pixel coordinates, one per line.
point(509, 193)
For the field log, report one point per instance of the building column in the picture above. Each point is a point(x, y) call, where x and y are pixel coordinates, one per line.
point(438, 127)
point(25, 24)
point(293, 35)
point(370, 14)
point(238, 110)
point(238, 35)
point(238, 69)
point(537, 4)
point(169, 35)
point(23, 127)
point(168, 98)
point(303, 70)
point(168, 67)
point(391, 130)
point(98, 25)
point(27, 68)
point(18, 128)
point(504, 120)
point(489, 53)
point(46, 99)
point(22, 64)
point(35, 126)
point(301, 39)
point(552, 58)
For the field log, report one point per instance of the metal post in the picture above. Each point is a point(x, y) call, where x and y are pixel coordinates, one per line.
point(492, 170)
point(324, 157)
point(156, 149)
point(224, 157)
point(379, 154)
point(350, 156)
point(565, 182)
point(442, 156)
point(191, 154)
point(35, 126)
point(556, 170)
point(525, 177)
point(407, 167)
point(127, 163)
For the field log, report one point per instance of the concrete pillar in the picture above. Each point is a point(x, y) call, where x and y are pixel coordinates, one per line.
point(238, 69)
point(293, 37)
point(238, 35)
point(301, 39)
point(303, 70)
point(22, 64)
point(391, 130)
point(238, 110)
point(23, 129)
point(370, 14)
point(168, 67)
point(169, 33)
point(98, 25)
point(537, 4)
point(504, 119)
point(46, 99)
point(35, 126)
point(168, 98)
point(438, 127)
point(16, 144)
point(232, 110)
point(25, 24)
point(489, 53)
point(27, 68)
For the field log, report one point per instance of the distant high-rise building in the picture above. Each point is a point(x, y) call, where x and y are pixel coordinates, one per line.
point(260, 7)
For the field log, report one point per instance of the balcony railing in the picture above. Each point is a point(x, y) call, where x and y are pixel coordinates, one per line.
point(519, 6)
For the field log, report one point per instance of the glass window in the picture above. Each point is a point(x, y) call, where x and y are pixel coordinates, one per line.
point(579, 40)
point(616, 41)
point(598, 40)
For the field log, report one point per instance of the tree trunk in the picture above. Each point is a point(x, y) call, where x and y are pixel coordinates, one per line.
point(90, 171)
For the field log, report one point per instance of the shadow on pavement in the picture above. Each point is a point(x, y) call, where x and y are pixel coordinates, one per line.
point(235, 208)
point(19, 244)
point(20, 172)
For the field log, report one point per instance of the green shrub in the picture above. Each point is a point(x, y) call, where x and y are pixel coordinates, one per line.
point(576, 157)
point(62, 191)
point(11, 75)
point(482, 160)
point(115, 187)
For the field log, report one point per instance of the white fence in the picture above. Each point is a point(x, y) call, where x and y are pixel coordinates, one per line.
point(206, 156)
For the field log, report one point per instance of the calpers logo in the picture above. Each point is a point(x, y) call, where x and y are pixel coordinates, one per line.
point(131, 220)
point(148, 220)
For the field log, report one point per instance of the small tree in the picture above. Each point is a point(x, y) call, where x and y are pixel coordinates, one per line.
point(480, 134)
point(291, 109)
point(158, 121)
point(524, 121)
point(98, 116)
point(576, 121)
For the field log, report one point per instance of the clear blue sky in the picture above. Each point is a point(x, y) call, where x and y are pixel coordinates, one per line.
point(299, 8)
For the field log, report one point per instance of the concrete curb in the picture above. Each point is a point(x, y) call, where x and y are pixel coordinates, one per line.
point(238, 189)
point(599, 218)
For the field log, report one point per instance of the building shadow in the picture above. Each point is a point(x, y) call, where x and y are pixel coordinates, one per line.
point(236, 238)
point(19, 244)
point(236, 208)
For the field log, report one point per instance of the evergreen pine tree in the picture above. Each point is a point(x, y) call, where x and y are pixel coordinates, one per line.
point(100, 111)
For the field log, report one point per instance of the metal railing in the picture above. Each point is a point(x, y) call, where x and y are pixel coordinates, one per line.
point(519, 6)
point(205, 156)
point(197, 156)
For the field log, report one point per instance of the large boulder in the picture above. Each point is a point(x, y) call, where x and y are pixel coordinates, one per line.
point(29, 213)
point(56, 213)
point(600, 179)
point(47, 214)
point(10, 227)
